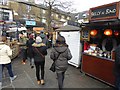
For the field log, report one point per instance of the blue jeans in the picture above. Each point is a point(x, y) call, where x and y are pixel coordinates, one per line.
point(9, 68)
point(0, 72)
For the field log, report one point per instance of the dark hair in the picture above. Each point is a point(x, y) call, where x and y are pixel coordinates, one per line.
point(61, 40)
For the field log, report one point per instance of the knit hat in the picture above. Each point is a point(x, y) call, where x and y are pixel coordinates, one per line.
point(38, 39)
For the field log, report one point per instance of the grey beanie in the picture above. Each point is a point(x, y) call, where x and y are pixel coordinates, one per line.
point(38, 39)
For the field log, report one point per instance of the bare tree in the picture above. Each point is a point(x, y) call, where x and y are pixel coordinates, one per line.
point(56, 4)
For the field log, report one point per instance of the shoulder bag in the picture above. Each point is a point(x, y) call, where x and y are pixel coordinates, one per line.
point(39, 52)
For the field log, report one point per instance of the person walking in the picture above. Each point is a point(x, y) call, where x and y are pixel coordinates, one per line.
point(23, 39)
point(117, 68)
point(39, 52)
point(5, 61)
point(60, 54)
point(29, 43)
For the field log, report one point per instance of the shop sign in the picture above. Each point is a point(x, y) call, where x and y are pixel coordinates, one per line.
point(32, 23)
point(109, 11)
point(73, 23)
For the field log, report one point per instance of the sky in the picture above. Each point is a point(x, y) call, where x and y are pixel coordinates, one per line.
point(83, 5)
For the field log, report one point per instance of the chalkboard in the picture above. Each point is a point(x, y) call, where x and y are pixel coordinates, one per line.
point(85, 35)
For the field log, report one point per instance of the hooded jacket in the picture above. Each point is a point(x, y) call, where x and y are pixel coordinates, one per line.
point(61, 61)
point(5, 52)
point(41, 47)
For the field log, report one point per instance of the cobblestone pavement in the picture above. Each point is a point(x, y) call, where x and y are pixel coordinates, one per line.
point(26, 77)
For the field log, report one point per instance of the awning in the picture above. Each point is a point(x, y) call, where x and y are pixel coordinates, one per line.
point(38, 29)
point(68, 28)
point(15, 29)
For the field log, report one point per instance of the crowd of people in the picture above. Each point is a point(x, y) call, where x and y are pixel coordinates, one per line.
point(34, 49)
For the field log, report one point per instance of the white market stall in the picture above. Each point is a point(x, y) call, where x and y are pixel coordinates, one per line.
point(72, 36)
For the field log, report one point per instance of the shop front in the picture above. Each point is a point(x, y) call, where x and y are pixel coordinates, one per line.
point(101, 36)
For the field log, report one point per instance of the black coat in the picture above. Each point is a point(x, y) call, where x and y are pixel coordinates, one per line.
point(117, 61)
point(37, 49)
point(29, 47)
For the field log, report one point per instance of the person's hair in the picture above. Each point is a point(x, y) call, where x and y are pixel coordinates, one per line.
point(61, 40)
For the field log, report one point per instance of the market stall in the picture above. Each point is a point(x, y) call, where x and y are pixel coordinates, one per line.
point(102, 33)
point(72, 36)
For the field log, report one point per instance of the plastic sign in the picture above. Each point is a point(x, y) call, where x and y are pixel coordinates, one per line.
point(31, 23)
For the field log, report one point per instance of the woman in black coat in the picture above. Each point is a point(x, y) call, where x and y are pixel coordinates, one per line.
point(29, 43)
point(39, 52)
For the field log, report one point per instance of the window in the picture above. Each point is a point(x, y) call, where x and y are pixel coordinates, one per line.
point(5, 16)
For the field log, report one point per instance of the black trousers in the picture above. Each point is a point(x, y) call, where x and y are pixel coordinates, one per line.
point(60, 77)
point(40, 65)
point(24, 54)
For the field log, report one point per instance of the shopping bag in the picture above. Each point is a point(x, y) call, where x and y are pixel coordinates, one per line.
point(52, 68)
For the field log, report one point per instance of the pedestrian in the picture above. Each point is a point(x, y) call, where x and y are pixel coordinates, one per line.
point(23, 39)
point(5, 61)
point(117, 68)
point(44, 37)
point(60, 54)
point(29, 43)
point(39, 52)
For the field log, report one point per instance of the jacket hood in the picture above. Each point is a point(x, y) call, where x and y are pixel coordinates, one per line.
point(38, 45)
point(60, 48)
point(42, 35)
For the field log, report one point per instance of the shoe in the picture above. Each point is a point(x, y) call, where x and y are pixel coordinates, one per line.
point(42, 82)
point(38, 82)
point(13, 78)
point(0, 85)
point(32, 67)
point(23, 62)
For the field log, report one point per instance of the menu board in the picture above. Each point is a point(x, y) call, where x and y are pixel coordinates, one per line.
point(85, 35)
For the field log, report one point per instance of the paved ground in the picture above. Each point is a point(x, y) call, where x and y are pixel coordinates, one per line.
point(26, 77)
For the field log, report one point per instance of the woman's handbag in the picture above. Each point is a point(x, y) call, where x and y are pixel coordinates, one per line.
point(52, 68)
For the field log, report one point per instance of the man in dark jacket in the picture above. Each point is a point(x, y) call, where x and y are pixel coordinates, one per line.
point(117, 67)
point(39, 52)
point(29, 43)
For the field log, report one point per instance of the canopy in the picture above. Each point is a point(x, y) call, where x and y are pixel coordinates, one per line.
point(15, 29)
point(68, 28)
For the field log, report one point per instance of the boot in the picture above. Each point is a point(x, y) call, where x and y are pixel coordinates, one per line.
point(38, 82)
point(42, 82)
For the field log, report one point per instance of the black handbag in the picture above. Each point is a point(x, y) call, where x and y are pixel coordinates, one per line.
point(52, 68)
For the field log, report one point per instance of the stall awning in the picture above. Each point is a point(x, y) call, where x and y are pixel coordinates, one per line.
point(38, 29)
point(68, 28)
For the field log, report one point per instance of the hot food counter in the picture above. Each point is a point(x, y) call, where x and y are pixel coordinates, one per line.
point(98, 67)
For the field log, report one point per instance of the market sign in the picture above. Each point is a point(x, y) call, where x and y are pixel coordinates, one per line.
point(72, 23)
point(31, 23)
point(104, 12)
